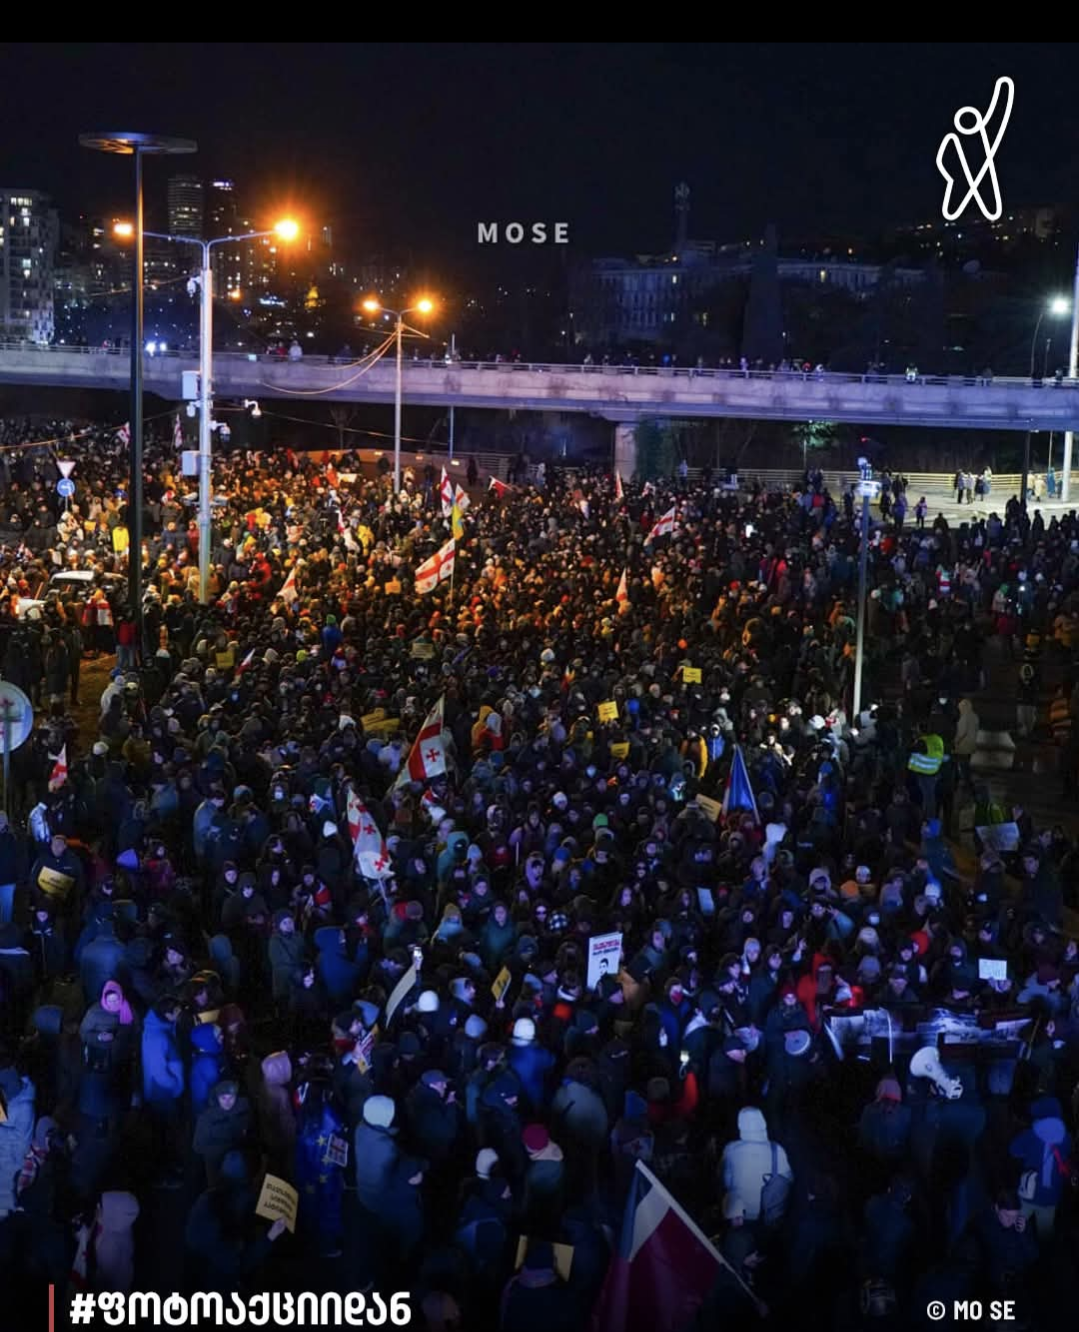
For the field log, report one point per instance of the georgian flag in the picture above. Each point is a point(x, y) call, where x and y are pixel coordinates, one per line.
point(622, 595)
point(619, 493)
point(427, 757)
point(245, 663)
point(436, 569)
point(460, 498)
point(370, 852)
point(288, 591)
point(445, 490)
point(663, 526)
point(124, 434)
point(59, 770)
point(499, 487)
point(430, 806)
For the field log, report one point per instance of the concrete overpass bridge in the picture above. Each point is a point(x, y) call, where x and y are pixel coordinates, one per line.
point(623, 395)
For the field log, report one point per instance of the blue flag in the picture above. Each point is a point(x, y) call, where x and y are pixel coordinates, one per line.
point(739, 792)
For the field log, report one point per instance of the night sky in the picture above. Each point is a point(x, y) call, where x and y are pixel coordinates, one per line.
point(411, 145)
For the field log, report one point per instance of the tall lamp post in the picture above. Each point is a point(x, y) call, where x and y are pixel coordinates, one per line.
point(285, 230)
point(1073, 371)
point(868, 489)
point(1057, 306)
point(372, 306)
point(137, 146)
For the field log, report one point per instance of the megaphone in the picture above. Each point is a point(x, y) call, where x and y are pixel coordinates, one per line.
point(926, 1064)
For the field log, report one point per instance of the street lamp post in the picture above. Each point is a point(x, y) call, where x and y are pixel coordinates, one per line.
point(1073, 371)
point(138, 146)
point(286, 230)
point(373, 306)
point(1057, 306)
point(866, 487)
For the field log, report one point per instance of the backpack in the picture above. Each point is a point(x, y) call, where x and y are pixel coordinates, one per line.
point(775, 1193)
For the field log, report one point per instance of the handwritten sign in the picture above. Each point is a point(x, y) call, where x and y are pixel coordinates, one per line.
point(501, 983)
point(422, 651)
point(608, 712)
point(54, 883)
point(278, 1201)
point(224, 660)
point(999, 836)
point(691, 675)
point(620, 750)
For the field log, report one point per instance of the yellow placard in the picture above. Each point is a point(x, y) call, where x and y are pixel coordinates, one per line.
point(54, 883)
point(120, 540)
point(393, 587)
point(563, 1257)
point(422, 651)
point(711, 807)
point(208, 1018)
point(370, 719)
point(608, 712)
point(691, 675)
point(620, 750)
point(224, 660)
point(501, 983)
point(278, 1201)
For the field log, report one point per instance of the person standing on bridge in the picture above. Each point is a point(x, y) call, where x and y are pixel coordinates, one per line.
point(920, 511)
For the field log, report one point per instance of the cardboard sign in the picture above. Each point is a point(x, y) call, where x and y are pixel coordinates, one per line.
point(604, 957)
point(207, 1018)
point(224, 660)
point(393, 587)
point(403, 986)
point(620, 750)
point(370, 719)
point(422, 651)
point(691, 675)
point(713, 808)
point(501, 983)
point(608, 712)
point(563, 1257)
point(278, 1201)
point(991, 968)
point(54, 883)
point(999, 836)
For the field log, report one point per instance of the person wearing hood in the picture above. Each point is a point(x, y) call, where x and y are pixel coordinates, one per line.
point(277, 1119)
point(114, 1243)
point(1044, 1153)
point(965, 744)
point(578, 1109)
point(339, 974)
point(222, 1126)
point(751, 1160)
point(482, 1229)
point(496, 937)
point(163, 1081)
point(207, 1064)
point(16, 1131)
point(285, 954)
point(226, 1242)
point(101, 960)
point(387, 1180)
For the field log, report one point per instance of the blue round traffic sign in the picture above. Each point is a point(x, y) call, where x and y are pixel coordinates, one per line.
point(65, 487)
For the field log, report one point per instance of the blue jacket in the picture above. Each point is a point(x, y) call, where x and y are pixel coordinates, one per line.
point(532, 1063)
point(208, 1065)
point(162, 1067)
point(15, 1135)
point(339, 975)
point(101, 961)
point(1039, 1148)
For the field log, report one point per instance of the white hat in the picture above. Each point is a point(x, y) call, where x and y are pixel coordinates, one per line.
point(486, 1160)
point(524, 1031)
point(378, 1111)
point(428, 1002)
point(100, 748)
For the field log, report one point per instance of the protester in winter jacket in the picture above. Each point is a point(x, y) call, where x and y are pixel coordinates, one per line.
point(277, 1119)
point(16, 1131)
point(101, 960)
point(207, 1064)
point(222, 1127)
point(531, 1063)
point(114, 1243)
point(387, 1181)
point(434, 1117)
point(162, 1065)
point(1044, 1152)
point(748, 1162)
point(286, 954)
point(226, 1242)
point(337, 972)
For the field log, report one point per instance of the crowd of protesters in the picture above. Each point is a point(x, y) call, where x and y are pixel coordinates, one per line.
point(195, 975)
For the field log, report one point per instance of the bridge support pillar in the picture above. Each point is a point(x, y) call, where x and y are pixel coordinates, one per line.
point(625, 449)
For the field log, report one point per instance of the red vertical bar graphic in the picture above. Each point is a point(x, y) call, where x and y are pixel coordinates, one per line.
point(52, 1308)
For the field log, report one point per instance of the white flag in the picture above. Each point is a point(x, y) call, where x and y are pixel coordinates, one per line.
point(436, 569)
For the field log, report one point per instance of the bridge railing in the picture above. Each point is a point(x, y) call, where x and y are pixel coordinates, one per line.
point(577, 368)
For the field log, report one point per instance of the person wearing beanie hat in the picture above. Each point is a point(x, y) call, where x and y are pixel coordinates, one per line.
point(531, 1063)
point(885, 1125)
point(388, 1180)
point(475, 1027)
point(427, 1002)
point(544, 1182)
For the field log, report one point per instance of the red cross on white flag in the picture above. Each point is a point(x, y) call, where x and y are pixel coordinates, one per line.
point(427, 758)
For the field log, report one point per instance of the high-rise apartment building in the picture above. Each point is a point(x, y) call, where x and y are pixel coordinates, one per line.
point(29, 230)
